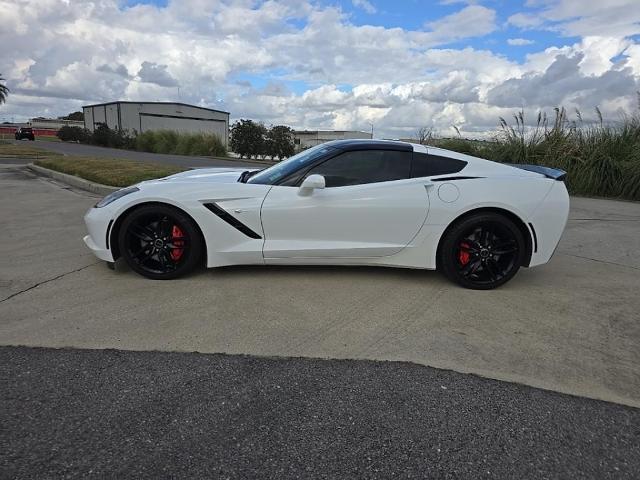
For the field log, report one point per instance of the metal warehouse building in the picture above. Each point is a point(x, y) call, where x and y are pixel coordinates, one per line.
point(309, 138)
point(143, 116)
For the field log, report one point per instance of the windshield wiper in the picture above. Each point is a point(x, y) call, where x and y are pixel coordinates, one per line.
point(247, 174)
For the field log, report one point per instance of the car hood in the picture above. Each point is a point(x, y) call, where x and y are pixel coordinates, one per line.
point(206, 175)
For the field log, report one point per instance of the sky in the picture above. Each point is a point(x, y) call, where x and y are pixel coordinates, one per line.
point(397, 65)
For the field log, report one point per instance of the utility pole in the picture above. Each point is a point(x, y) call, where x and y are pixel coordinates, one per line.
point(371, 130)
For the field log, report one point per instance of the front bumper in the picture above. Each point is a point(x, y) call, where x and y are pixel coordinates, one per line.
point(97, 221)
point(101, 253)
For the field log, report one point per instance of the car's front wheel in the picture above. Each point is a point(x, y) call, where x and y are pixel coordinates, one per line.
point(482, 251)
point(160, 242)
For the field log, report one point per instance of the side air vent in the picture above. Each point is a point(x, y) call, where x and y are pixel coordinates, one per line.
point(231, 220)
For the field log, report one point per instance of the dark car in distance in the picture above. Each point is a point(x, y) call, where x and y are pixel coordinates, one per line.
point(25, 132)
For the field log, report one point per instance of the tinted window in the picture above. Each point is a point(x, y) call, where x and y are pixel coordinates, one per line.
point(273, 175)
point(425, 165)
point(364, 166)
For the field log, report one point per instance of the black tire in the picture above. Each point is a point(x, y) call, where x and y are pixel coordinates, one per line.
point(152, 247)
point(482, 251)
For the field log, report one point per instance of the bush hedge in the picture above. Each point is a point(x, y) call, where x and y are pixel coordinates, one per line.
point(73, 134)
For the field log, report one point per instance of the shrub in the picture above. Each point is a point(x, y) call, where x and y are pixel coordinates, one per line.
point(73, 134)
point(105, 137)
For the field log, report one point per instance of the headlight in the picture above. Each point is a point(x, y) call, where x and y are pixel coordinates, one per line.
point(112, 197)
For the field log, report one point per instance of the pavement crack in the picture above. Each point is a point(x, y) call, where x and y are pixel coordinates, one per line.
point(600, 261)
point(606, 219)
point(47, 281)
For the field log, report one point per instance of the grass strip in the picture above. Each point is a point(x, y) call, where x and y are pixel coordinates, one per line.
point(108, 171)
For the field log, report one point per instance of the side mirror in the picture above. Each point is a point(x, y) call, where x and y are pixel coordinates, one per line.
point(310, 183)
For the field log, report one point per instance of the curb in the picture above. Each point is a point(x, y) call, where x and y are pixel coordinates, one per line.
point(72, 181)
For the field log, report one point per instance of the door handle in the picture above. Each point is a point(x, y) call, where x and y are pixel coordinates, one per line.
point(238, 210)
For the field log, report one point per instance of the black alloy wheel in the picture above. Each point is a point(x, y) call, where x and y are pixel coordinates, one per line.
point(482, 252)
point(160, 242)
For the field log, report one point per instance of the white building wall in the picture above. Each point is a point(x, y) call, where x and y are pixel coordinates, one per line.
point(140, 117)
point(309, 138)
point(111, 112)
point(149, 122)
point(88, 118)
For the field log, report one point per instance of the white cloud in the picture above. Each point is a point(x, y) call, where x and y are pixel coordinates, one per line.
point(365, 5)
point(316, 68)
point(525, 20)
point(564, 84)
point(614, 18)
point(517, 42)
point(471, 21)
point(153, 73)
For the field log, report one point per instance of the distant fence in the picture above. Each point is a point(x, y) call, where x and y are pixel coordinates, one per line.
point(44, 132)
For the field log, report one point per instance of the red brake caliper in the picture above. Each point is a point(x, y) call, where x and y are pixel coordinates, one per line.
point(176, 239)
point(463, 255)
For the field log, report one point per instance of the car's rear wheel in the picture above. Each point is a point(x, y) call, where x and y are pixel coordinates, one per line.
point(160, 242)
point(482, 251)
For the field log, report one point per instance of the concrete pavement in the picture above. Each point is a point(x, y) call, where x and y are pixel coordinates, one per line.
point(570, 326)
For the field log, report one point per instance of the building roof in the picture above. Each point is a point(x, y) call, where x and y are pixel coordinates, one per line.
point(156, 103)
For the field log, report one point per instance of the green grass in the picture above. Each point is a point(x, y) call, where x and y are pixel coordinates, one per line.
point(169, 141)
point(108, 171)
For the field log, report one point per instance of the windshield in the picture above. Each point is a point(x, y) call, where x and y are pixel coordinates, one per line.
point(273, 175)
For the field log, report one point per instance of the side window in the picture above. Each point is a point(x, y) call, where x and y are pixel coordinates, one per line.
point(425, 165)
point(364, 166)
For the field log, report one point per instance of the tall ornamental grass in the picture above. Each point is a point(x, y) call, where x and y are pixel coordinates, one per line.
point(169, 141)
point(600, 159)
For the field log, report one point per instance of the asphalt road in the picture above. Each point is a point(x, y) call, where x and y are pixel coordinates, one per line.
point(569, 326)
point(179, 160)
point(105, 413)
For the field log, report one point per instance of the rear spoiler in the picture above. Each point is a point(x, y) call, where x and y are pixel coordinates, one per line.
point(553, 173)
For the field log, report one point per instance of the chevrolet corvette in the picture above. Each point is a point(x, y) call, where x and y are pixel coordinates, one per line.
point(347, 202)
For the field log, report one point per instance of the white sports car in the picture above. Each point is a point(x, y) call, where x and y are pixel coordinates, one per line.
point(349, 202)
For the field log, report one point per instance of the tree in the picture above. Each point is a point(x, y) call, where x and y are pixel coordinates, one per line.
point(424, 135)
point(280, 142)
point(4, 91)
point(248, 138)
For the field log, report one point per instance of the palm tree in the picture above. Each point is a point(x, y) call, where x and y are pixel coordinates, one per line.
point(4, 91)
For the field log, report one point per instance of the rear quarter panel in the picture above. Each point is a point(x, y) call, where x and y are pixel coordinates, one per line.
point(520, 195)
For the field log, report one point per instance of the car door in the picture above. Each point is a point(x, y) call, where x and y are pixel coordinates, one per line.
point(369, 208)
